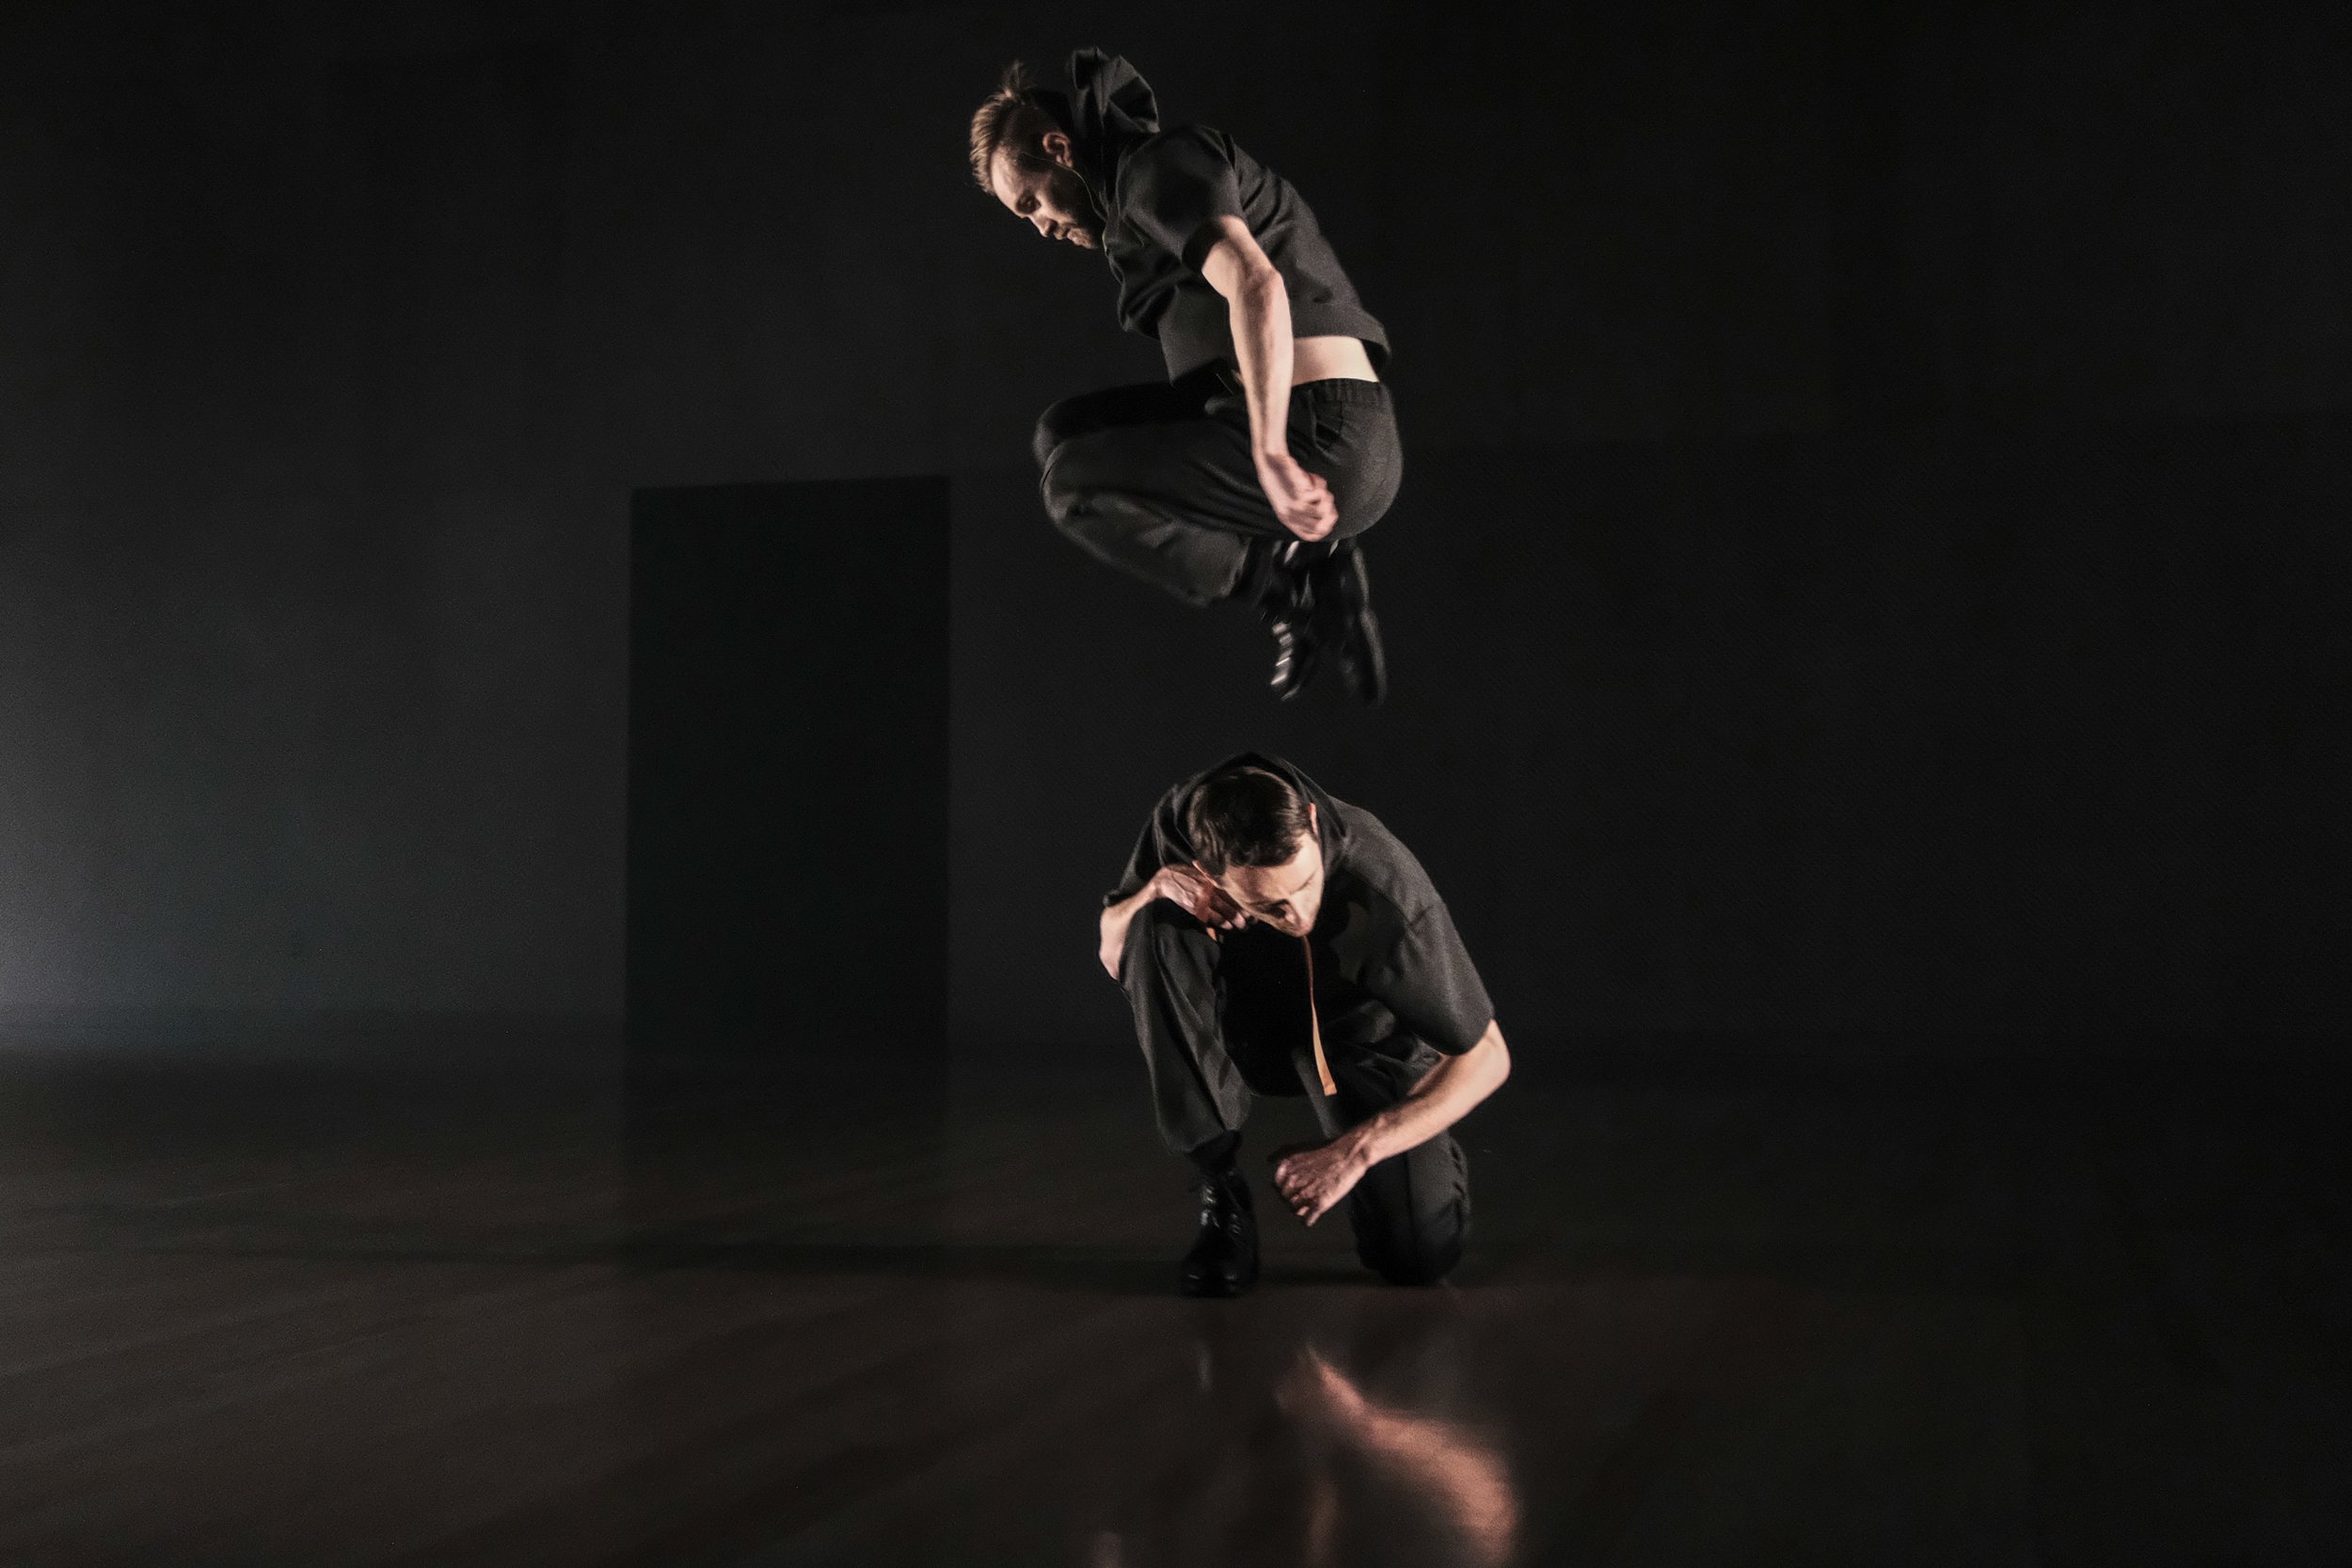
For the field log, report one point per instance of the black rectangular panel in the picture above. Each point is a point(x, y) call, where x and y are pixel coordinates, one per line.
point(788, 768)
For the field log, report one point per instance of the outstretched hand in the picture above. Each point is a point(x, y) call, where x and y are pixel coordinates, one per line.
point(1302, 501)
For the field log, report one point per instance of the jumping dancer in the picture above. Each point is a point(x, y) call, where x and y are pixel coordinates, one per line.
point(1251, 472)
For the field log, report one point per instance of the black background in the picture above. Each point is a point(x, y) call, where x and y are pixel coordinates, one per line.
point(1870, 572)
point(787, 744)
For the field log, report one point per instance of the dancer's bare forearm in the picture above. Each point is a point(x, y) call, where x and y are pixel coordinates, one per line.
point(1314, 1180)
point(1446, 1094)
point(1260, 315)
point(1264, 354)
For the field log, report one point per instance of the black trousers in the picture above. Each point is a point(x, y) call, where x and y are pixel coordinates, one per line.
point(1222, 1018)
point(1158, 480)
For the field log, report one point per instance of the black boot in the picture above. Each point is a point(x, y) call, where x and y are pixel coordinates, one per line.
point(1285, 598)
point(1339, 595)
point(1224, 1257)
point(1295, 657)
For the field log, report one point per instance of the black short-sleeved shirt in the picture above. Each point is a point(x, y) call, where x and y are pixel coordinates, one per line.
point(1163, 189)
point(1387, 958)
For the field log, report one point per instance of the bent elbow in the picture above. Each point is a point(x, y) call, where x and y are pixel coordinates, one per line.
point(1498, 1068)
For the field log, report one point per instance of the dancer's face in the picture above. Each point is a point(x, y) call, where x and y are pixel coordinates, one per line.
point(1287, 897)
point(1044, 189)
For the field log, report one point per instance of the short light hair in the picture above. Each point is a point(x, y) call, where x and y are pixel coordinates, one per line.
point(1009, 116)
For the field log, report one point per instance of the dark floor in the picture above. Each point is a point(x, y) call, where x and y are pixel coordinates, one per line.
point(274, 1316)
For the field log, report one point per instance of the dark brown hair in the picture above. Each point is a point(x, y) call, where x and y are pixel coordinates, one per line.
point(1245, 816)
point(1008, 116)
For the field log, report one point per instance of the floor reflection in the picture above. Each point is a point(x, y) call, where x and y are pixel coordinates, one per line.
point(1358, 1437)
point(1442, 1467)
point(451, 1322)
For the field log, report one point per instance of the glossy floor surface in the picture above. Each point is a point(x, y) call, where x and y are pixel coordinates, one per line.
point(262, 1316)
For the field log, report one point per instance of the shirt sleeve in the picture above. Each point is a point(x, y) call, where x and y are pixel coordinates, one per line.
point(1161, 840)
point(1169, 188)
point(1429, 982)
point(1140, 865)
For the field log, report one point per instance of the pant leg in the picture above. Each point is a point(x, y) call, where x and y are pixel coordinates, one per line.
point(1169, 493)
point(1411, 1212)
point(1209, 1012)
point(1164, 489)
point(1346, 432)
point(1168, 971)
point(1144, 403)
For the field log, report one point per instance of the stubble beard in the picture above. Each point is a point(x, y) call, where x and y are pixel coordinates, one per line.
point(1072, 196)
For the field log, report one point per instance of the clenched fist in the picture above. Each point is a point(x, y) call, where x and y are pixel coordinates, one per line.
point(1302, 501)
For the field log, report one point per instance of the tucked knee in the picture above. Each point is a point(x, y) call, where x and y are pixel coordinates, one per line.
point(1159, 923)
point(1088, 516)
point(1055, 426)
point(1062, 504)
point(1160, 935)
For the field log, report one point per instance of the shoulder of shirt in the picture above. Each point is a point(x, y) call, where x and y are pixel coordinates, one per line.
point(1379, 861)
point(1166, 823)
point(1178, 140)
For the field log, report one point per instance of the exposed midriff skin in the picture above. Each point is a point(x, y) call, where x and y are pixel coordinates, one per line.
point(1330, 359)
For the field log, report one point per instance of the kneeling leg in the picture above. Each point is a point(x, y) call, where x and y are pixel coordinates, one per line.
point(1411, 1212)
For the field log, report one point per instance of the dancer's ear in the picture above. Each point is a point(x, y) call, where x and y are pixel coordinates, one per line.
point(1053, 151)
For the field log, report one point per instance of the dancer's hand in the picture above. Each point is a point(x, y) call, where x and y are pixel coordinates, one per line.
point(1302, 500)
point(1198, 898)
point(1312, 1177)
point(1188, 888)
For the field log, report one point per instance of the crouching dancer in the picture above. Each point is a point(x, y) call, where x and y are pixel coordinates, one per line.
point(1274, 939)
